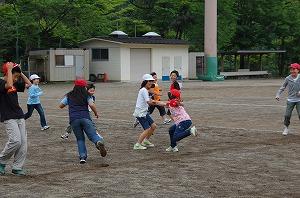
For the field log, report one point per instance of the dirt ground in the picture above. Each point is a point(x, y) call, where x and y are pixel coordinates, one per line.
point(239, 151)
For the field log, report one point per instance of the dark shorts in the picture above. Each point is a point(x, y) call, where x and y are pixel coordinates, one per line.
point(146, 121)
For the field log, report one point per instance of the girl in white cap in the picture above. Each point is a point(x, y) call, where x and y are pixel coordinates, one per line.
point(141, 113)
point(33, 102)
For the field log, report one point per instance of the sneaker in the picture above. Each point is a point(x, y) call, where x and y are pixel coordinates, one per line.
point(167, 121)
point(285, 131)
point(101, 148)
point(65, 136)
point(170, 149)
point(82, 161)
point(136, 122)
point(138, 146)
point(2, 169)
point(45, 128)
point(18, 172)
point(194, 131)
point(147, 143)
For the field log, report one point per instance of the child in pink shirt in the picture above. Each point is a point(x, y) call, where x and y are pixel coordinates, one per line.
point(182, 127)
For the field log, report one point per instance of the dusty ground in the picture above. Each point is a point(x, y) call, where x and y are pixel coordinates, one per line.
point(239, 152)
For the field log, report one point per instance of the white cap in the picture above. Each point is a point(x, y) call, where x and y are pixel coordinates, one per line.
point(148, 77)
point(34, 76)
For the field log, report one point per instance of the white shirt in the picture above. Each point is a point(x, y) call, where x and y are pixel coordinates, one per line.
point(141, 107)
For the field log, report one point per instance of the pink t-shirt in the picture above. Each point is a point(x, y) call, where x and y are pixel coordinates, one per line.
point(179, 114)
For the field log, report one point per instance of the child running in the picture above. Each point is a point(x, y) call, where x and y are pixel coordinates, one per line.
point(182, 127)
point(33, 102)
point(156, 94)
point(91, 91)
point(13, 117)
point(80, 120)
point(293, 83)
point(141, 113)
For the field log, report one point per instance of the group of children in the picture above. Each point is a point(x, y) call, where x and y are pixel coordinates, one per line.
point(145, 104)
point(81, 103)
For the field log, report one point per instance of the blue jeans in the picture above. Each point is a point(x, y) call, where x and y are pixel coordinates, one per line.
point(39, 108)
point(81, 126)
point(180, 131)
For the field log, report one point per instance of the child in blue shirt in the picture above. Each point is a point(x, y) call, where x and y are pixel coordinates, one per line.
point(33, 102)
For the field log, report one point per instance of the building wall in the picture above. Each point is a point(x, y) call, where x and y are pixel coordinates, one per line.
point(113, 66)
point(192, 63)
point(125, 63)
point(67, 73)
point(170, 52)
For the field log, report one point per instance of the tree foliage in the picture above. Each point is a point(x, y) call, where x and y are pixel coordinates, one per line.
point(242, 24)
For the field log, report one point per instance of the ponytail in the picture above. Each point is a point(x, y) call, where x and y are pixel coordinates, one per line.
point(144, 83)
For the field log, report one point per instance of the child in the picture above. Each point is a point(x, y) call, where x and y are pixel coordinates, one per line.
point(182, 127)
point(156, 94)
point(34, 102)
point(91, 92)
point(174, 85)
point(13, 117)
point(142, 114)
point(80, 120)
point(293, 83)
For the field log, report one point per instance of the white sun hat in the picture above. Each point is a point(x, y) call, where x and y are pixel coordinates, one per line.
point(148, 77)
point(34, 76)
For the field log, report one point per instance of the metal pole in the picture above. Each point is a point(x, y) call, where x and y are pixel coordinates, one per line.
point(210, 42)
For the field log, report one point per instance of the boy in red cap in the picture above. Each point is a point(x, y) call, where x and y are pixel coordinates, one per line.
point(182, 127)
point(293, 83)
point(80, 120)
point(13, 117)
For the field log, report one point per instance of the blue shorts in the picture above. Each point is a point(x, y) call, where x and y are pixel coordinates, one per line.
point(146, 121)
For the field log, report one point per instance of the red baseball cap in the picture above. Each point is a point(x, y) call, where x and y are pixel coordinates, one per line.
point(80, 83)
point(295, 66)
point(175, 93)
point(5, 66)
point(173, 103)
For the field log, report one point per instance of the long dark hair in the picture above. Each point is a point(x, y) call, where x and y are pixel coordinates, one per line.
point(78, 95)
point(144, 84)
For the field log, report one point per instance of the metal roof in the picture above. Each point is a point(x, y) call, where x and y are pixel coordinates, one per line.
point(139, 40)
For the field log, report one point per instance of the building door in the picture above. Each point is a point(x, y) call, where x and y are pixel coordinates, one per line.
point(165, 68)
point(79, 64)
point(178, 65)
point(140, 63)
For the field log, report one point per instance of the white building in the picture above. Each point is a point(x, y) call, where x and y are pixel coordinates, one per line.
point(126, 58)
point(196, 64)
point(59, 64)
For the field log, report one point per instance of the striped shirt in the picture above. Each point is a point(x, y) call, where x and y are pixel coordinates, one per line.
point(293, 85)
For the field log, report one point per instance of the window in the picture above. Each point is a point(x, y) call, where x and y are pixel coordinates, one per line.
point(59, 60)
point(100, 55)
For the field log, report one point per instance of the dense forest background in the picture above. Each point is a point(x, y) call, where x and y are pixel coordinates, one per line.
point(242, 24)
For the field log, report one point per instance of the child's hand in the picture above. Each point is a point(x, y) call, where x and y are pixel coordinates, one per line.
point(10, 66)
point(277, 98)
point(96, 115)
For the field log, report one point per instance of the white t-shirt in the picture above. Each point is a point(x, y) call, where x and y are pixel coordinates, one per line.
point(141, 107)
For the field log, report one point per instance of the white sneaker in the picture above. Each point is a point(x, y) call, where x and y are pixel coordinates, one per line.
point(138, 146)
point(194, 131)
point(167, 121)
point(170, 149)
point(45, 128)
point(147, 143)
point(285, 131)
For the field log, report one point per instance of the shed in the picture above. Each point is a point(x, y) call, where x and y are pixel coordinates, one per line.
point(59, 64)
point(126, 58)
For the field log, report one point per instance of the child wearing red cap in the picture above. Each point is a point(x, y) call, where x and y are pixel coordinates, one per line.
point(182, 127)
point(12, 116)
point(80, 120)
point(293, 83)
point(174, 85)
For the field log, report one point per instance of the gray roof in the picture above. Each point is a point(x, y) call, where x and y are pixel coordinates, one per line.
point(140, 40)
